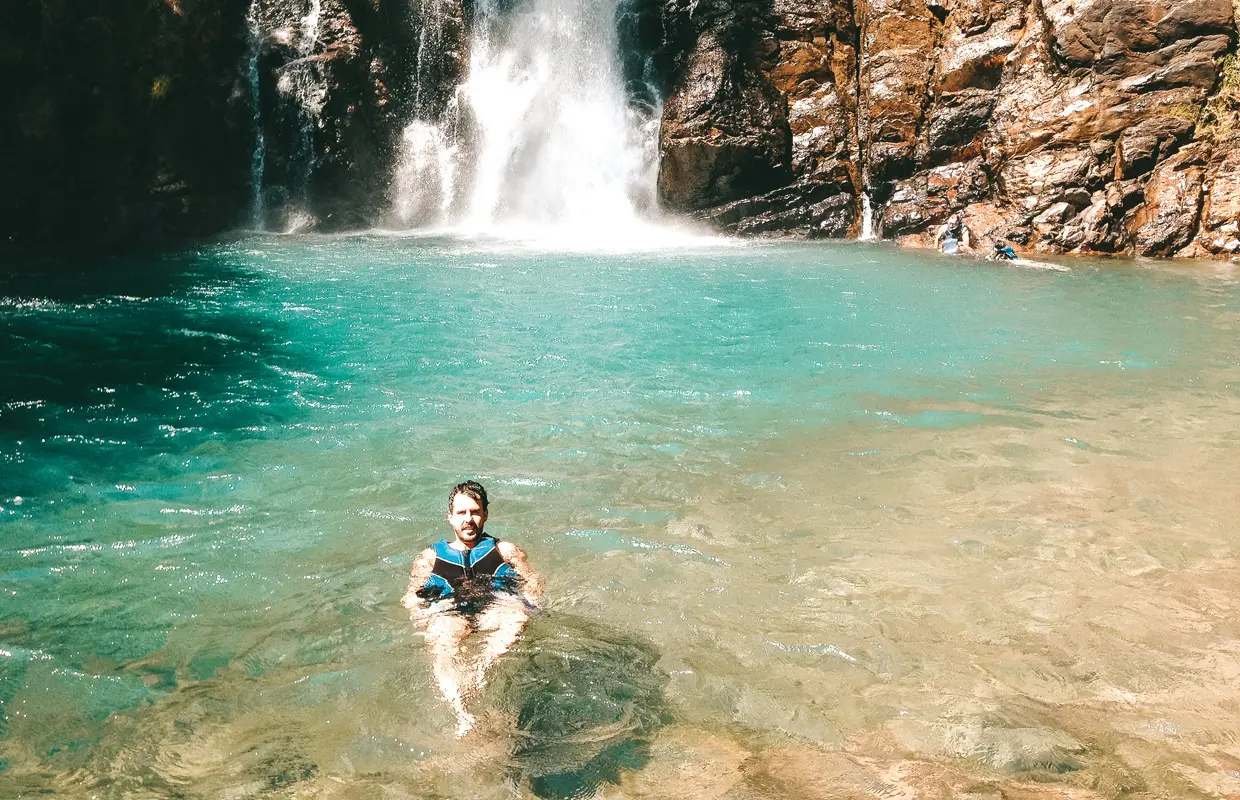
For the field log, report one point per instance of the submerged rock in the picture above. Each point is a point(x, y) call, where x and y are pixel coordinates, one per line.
point(1007, 749)
point(586, 699)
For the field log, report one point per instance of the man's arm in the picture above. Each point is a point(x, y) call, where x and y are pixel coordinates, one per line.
point(418, 576)
point(532, 584)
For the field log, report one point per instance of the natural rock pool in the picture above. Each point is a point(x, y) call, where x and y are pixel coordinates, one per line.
point(818, 520)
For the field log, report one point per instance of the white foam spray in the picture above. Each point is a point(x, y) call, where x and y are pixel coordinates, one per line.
point(541, 142)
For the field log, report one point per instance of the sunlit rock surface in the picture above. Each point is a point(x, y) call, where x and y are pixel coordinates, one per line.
point(1069, 126)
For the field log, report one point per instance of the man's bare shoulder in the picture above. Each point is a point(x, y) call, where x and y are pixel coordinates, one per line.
point(510, 551)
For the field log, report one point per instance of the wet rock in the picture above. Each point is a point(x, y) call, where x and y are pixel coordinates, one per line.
point(724, 133)
point(1173, 199)
point(332, 115)
point(1219, 228)
point(809, 208)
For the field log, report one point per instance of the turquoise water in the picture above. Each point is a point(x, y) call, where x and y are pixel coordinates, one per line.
point(831, 485)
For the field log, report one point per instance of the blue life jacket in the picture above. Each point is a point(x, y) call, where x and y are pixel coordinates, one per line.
point(471, 577)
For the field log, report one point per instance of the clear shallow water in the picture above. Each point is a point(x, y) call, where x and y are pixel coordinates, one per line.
point(882, 519)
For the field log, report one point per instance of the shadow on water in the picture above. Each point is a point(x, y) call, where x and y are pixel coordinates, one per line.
point(587, 699)
point(108, 363)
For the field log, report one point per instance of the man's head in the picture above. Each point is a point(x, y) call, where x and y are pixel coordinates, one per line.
point(467, 511)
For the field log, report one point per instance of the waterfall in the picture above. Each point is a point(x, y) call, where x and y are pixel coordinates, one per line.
point(299, 81)
point(867, 217)
point(426, 173)
point(258, 155)
point(540, 137)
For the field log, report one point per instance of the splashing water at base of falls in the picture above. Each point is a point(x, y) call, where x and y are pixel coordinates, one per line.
point(541, 140)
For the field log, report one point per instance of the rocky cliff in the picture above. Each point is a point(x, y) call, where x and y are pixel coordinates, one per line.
point(120, 119)
point(157, 120)
point(1064, 125)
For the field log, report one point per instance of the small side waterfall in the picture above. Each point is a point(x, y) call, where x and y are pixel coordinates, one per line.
point(540, 136)
point(258, 156)
point(287, 92)
point(867, 217)
point(300, 82)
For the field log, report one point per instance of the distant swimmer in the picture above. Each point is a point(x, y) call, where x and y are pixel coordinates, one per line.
point(952, 235)
point(475, 583)
point(1002, 252)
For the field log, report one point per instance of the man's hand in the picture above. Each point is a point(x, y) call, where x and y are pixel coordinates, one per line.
point(418, 576)
point(532, 584)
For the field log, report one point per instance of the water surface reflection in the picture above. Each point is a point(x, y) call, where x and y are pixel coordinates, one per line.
point(819, 521)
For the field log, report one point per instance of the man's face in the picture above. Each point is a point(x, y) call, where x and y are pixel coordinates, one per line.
point(467, 518)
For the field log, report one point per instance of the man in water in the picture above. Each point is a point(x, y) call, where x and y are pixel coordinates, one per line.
point(951, 233)
point(473, 583)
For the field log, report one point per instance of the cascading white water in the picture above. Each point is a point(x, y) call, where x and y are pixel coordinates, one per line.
point(300, 81)
point(258, 156)
point(867, 218)
point(426, 177)
point(545, 140)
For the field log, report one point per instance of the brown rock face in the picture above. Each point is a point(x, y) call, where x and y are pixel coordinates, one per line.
point(1218, 232)
point(1103, 125)
point(898, 39)
point(725, 131)
point(1167, 220)
point(759, 131)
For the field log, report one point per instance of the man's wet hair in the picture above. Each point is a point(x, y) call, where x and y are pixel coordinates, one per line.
point(471, 489)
